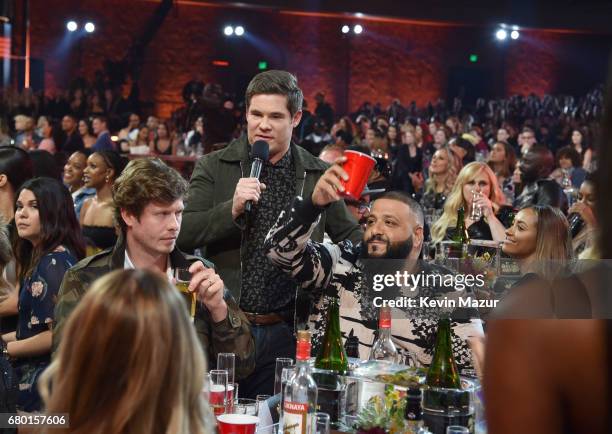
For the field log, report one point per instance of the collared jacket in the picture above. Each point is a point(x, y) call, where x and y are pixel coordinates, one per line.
point(232, 335)
point(207, 220)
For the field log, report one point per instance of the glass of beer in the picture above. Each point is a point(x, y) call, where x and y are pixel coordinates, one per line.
point(182, 277)
point(217, 395)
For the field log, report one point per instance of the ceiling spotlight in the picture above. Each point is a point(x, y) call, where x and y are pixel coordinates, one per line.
point(239, 31)
point(228, 30)
point(345, 29)
point(501, 34)
point(514, 34)
point(72, 26)
point(358, 29)
point(90, 27)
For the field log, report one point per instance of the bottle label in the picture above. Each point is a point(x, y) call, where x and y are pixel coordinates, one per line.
point(295, 418)
point(303, 350)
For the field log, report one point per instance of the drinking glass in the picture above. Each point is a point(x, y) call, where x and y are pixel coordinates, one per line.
point(227, 361)
point(217, 395)
point(476, 212)
point(182, 277)
point(261, 402)
point(232, 396)
point(322, 420)
point(245, 406)
point(286, 375)
point(281, 363)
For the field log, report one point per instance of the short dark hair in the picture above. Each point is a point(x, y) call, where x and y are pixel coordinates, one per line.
point(279, 83)
point(143, 181)
point(16, 164)
point(101, 118)
point(569, 153)
point(414, 206)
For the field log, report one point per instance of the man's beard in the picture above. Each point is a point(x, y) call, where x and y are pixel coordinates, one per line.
point(397, 250)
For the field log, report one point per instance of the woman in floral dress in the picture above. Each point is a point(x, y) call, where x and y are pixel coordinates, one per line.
point(49, 243)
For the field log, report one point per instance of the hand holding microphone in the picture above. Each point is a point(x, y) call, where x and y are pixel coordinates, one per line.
point(248, 190)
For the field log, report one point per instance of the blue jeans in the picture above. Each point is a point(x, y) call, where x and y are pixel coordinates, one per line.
point(271, 341)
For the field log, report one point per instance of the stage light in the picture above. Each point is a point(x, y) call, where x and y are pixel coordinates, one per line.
point(239, 31)
point(514, 34)
point(501, 34)
point(357, 29)
point(72, 26)
point(228, 30)
point(345, 29)
point(90, 27)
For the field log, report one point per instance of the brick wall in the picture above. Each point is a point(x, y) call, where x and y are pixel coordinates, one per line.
point(389, 60)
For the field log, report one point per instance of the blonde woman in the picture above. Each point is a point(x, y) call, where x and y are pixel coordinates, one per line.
point(141, 373)
point(442, 175)
point(476, 186)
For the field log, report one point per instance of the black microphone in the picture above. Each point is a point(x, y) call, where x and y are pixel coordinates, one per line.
point(261, 150)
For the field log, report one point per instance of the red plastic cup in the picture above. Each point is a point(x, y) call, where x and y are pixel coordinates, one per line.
point(237, 423)
point(358, 166)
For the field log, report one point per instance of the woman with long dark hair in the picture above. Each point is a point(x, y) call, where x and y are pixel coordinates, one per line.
point(86, 133)
point(96, 218)
point(49, 243)
point(579, 143)
point(502, 160)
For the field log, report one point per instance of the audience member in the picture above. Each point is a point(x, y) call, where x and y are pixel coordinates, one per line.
point(73, 179)
point(476, 186)
point(16, 167)
point(86, 133)
point(569, 168)
point(148, 205)
point(443, 173)
point(535, 168)
point(103, 139)
point(74, 141)
point(49, 242)
point(96, 216)
point(138, 355)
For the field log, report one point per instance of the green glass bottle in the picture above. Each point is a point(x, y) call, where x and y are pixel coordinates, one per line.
point(443, 369)
point(460, 239)
point(332, 355)
point(460, 236)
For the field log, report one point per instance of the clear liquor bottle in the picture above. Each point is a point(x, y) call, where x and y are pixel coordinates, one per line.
point(384, 348)
point(300, 396)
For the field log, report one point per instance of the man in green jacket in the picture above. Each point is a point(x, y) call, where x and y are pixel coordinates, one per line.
point(215, 218)
point(148, 198)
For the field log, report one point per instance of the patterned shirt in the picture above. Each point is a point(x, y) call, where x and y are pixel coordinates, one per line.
point(265, 288)
point(338, 270)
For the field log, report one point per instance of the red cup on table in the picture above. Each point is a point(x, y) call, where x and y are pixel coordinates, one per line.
point(237, 423)
point(358, 166)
